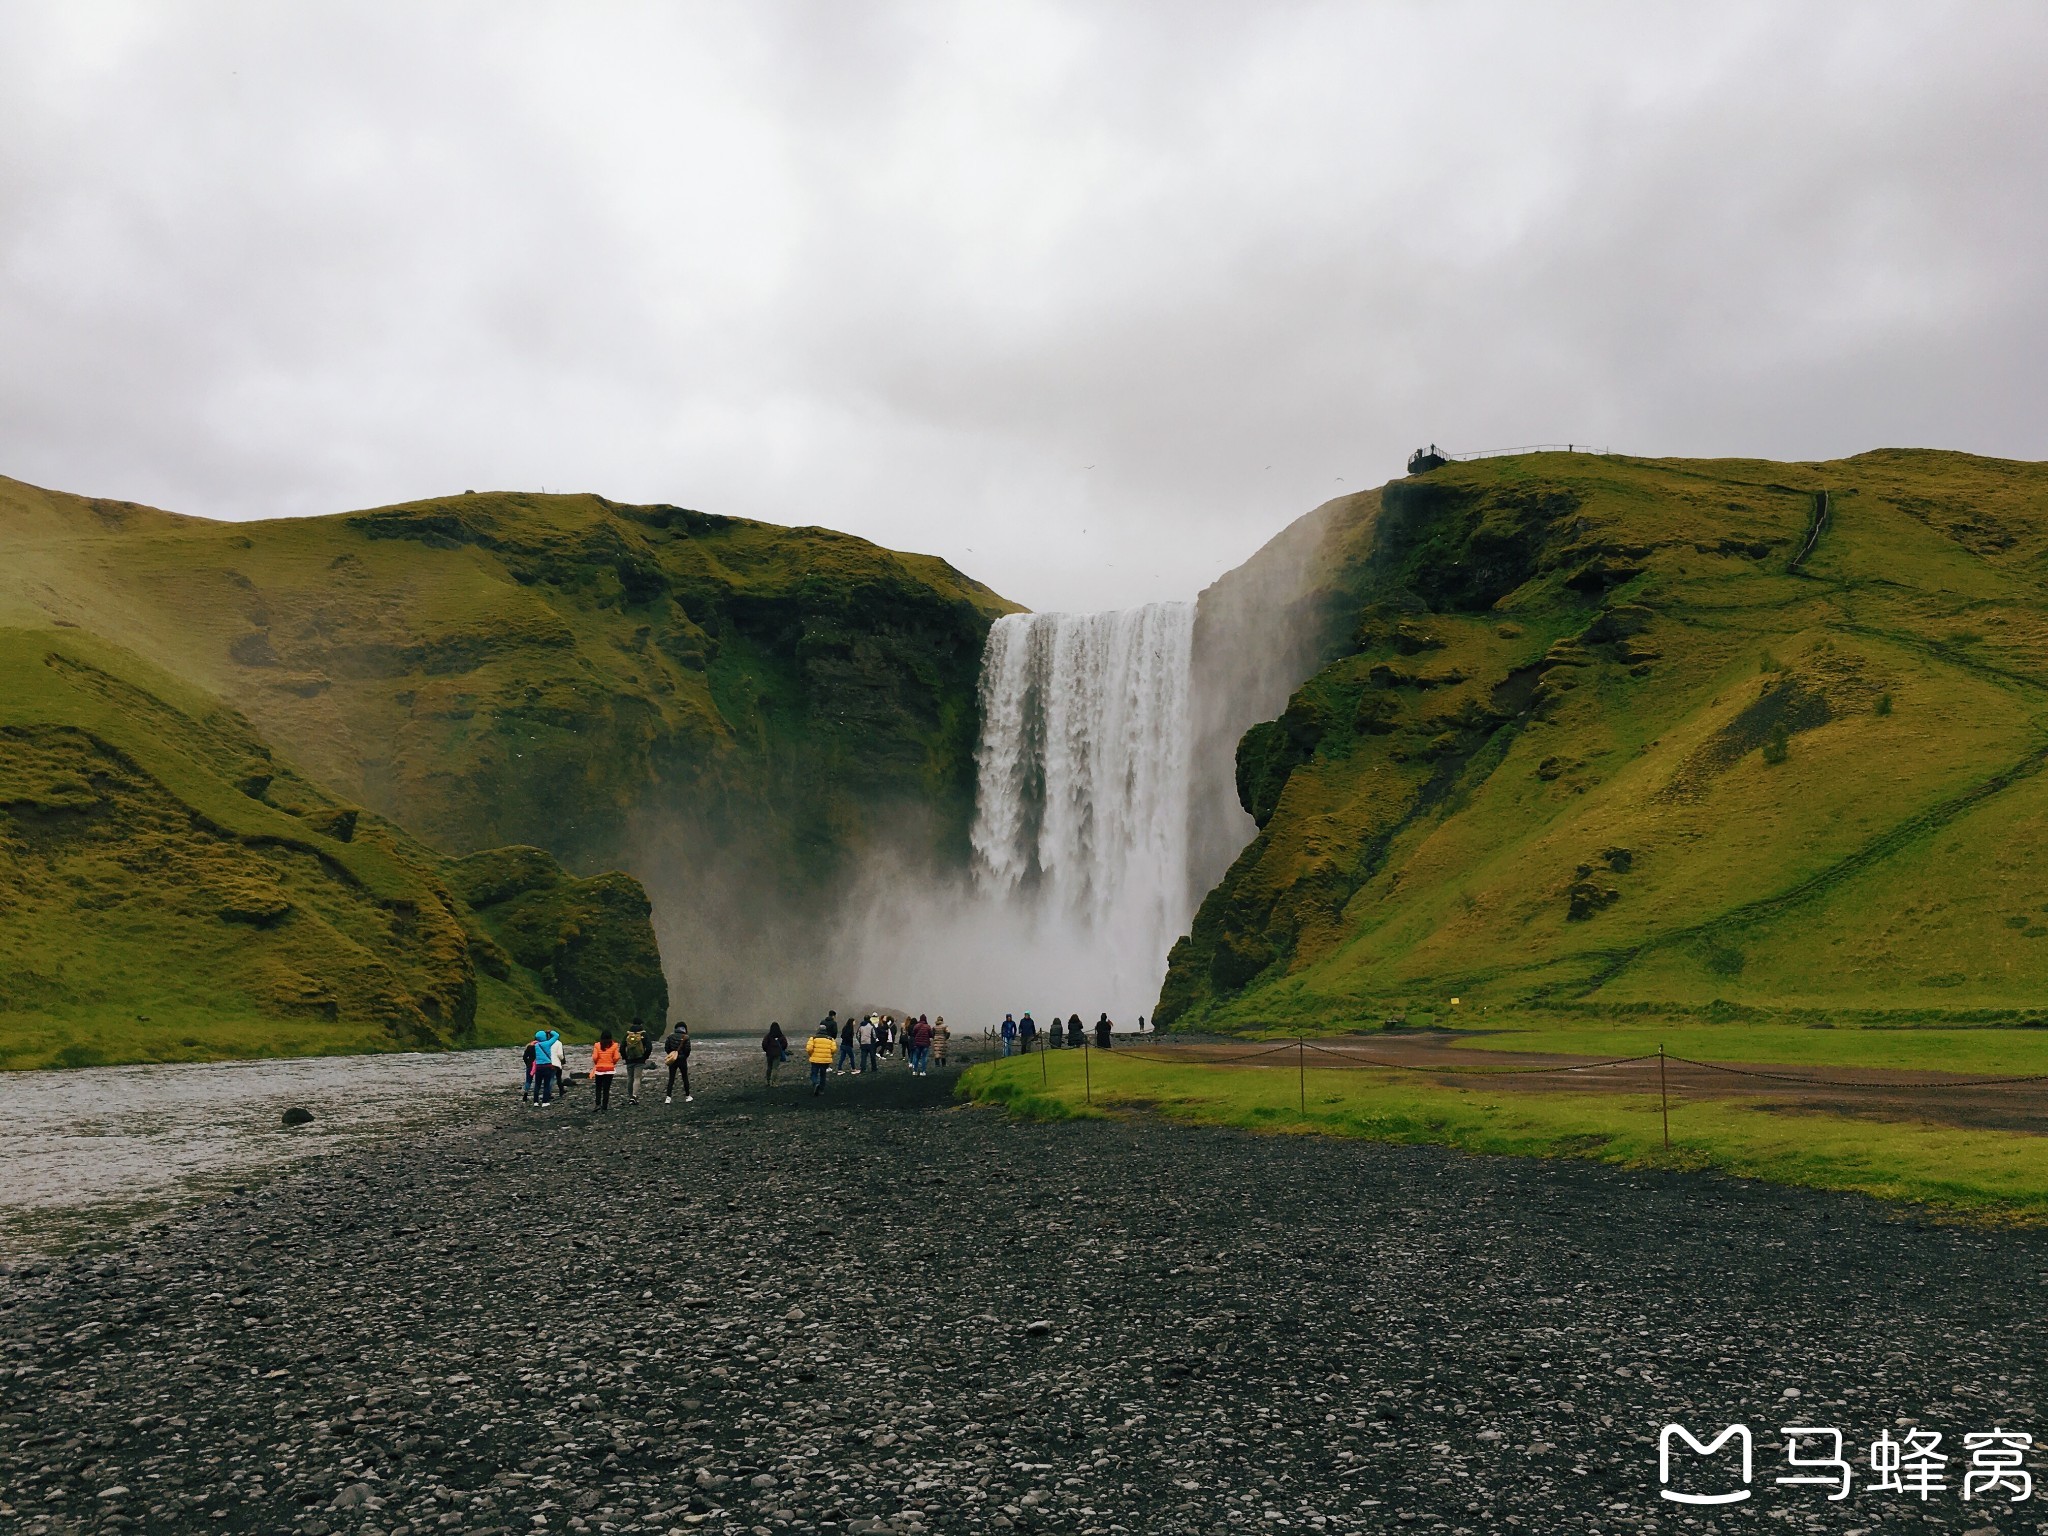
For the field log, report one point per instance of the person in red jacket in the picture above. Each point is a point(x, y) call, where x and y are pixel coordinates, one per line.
point(921, 1047)
point(604, 1061)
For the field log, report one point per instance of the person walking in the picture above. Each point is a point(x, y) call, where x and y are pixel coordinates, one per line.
point(1102, 1029)
point(604, 1061)
point(1027, 1032)
point(941, 1037)
point(921, 1047)
point(638, 1047)
point(867, 1035)
point(775, 1046)
point(526, 1093)
point(847, 1061)
point(818, 1050)
point(676, 1052)
point(1074, 1041)
point(1009, 1034)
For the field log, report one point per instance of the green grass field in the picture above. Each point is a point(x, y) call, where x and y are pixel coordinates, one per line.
point(1985, 1175)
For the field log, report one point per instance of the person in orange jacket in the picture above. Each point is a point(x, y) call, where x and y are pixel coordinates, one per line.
point(604, 1061)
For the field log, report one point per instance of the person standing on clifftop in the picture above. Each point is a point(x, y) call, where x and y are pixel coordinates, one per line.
point(604, 1061)
point(1074, 1041)
point(1009, 1034)
point(676, 1052)
point(637, 1049)
point(775, 1046)
point(1027, 1032)
point(1102, 1029)
point(818, 1051)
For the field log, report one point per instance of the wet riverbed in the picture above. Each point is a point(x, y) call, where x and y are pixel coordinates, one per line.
point(85, 1155)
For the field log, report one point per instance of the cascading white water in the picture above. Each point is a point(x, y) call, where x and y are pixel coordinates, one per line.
point(1081, 804)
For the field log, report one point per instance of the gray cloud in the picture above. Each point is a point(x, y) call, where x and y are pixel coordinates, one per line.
point(911, 270)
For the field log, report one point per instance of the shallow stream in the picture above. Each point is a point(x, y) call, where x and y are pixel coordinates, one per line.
point(87, 1153)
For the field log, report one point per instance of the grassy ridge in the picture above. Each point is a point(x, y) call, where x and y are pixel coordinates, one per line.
point(171, 890)
point(1986, 1174)
point(734, 712)
point(1620, 738)
point(507, 668)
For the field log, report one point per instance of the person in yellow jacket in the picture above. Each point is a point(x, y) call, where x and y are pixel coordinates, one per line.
point(819, 1050)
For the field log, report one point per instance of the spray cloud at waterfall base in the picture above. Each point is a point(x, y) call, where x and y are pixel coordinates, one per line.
point(1080, 879)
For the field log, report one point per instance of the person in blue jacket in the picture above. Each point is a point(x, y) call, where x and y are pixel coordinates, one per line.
point(1009, 1034)
point(1027, 1032)
point(544, 1069)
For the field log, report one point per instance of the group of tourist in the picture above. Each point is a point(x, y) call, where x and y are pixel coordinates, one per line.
point(852, 1045)
point(544, 1055)
point(1024, 1034)
point(862, 1045)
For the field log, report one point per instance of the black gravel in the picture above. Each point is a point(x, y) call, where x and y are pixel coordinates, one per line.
point(878, 1312)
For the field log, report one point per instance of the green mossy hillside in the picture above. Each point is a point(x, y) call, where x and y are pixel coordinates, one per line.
point(170, 889)
point(1728, 739)
point(735, 712)
point(506, 668)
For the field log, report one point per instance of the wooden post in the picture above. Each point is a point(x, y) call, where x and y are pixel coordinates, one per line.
point(1663, 1098)
point(1301, 1070)
point(1087, 1078)
point(1041, 1062)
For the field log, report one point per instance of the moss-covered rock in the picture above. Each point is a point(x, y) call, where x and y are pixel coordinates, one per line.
point(589, 941)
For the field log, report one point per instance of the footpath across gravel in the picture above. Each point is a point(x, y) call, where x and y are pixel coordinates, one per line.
point(883, 1312)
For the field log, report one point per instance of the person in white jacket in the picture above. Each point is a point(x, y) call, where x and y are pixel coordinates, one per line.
point(555, 1062)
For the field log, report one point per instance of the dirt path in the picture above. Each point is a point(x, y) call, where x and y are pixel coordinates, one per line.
point(1933, 1098)
point(878, 1312)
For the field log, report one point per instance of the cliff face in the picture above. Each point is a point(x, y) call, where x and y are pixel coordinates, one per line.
point(171, 889)
point(731, 711)
point(1604, 734)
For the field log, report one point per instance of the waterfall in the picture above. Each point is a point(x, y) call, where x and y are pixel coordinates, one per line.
point(1081, 804)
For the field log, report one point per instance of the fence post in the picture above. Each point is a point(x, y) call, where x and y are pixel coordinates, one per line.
point(1663, 1099)
point(1301, 1070)
point(1041, 1063)
point(1087, 1077)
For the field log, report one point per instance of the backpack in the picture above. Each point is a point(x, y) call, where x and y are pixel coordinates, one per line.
point(636, 1045)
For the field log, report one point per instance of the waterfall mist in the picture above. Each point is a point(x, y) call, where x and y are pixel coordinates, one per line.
point(1079, 881)
point(1105, 810)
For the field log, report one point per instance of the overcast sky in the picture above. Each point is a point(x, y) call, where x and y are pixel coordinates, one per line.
point(1089, 298)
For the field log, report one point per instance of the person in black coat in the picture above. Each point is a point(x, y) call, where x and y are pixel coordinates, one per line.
point(1074, 1032)
point(1102, 1029)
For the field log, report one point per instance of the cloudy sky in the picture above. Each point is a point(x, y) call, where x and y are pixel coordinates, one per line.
point(1090, 298)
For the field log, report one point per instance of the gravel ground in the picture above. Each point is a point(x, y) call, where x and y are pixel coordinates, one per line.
point(878, 1312)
